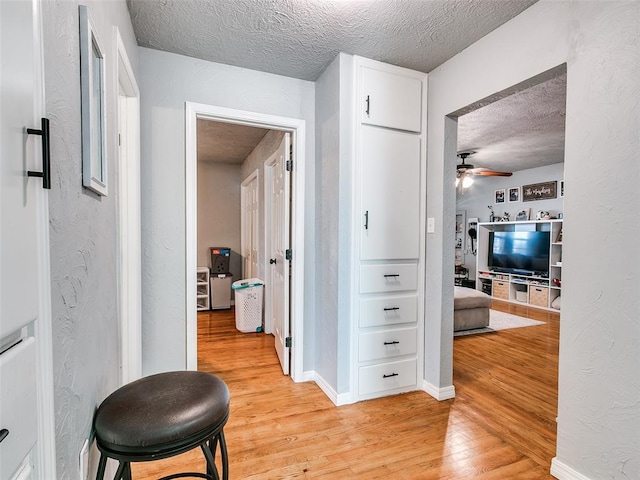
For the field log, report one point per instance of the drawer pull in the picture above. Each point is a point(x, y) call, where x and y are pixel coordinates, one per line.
point(391, 375)
point(3, 434)
point(389, 309)
point(394, 342)
point(391, 275)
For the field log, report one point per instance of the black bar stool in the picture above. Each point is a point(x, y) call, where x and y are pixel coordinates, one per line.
point(163, 415)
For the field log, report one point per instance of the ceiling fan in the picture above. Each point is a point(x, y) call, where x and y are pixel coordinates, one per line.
point(465, 171)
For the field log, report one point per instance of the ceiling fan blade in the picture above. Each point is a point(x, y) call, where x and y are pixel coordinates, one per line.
point(491, 173)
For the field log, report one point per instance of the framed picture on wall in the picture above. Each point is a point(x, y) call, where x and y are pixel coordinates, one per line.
point(514, 194)
point(93, 111)
point(500, 196)
point(539, 191)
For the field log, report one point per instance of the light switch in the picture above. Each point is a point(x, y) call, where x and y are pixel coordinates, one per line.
point(431, 225)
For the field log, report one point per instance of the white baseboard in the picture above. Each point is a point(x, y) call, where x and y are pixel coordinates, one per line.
point(338, 399)
point(438, 393)
point(563, 472)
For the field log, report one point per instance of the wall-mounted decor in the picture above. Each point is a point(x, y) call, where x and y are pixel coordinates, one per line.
point(92, 86)
point(539, 191)
point(500, 196)
point(514, 194)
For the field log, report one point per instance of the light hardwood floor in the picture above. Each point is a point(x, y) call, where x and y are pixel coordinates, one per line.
point(501, 425)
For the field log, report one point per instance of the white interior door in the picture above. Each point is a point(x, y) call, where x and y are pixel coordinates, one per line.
point(278, 231)
point(249, 225)
point(23, 224)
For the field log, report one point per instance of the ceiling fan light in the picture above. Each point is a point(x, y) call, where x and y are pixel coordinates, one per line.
point(467, 181)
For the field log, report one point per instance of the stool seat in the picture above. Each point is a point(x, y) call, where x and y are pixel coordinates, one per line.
point(163, 415)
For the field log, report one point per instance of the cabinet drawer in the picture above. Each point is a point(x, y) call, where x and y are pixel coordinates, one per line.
point(18, 408)
point(501, 289)
point(388, 310)
point(539, 296)
point(386, 376)
point(387, 344)
point(391, 100)
point(388, 278)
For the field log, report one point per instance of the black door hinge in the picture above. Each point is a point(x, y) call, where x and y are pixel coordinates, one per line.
point(287, 342)
point(289, 165)
point(288, 254)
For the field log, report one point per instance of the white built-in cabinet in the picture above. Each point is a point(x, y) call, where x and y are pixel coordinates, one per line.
point(388, 229)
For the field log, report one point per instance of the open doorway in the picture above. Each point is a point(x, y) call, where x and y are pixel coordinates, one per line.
point(271, 129)
point(510, 188)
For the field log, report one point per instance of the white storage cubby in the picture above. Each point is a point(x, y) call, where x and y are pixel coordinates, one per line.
point(203, 298)
point(532, 290)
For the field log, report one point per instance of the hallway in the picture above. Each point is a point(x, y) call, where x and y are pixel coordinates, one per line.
point(501, 424)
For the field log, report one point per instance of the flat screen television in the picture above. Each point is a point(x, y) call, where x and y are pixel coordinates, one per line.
point(519, 252)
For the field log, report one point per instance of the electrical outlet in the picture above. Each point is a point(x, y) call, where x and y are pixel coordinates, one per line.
point(431, 225)
point(84, 460)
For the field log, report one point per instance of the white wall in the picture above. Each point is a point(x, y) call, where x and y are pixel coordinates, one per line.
point(481, 194)
point(219, 213)
point(83, 229)
point(167, 82)
point(333, 212)
point(327, 212)
point(599, 385)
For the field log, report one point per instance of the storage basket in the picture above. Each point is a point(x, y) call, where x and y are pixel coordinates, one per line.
point(248, 295)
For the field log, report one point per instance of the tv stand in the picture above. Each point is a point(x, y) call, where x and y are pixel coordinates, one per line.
point(523, 287)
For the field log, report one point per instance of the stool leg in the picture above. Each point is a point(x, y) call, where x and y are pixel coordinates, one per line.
point(224, 456)
point(124, 471)
point(209, 455)
point(101, 467)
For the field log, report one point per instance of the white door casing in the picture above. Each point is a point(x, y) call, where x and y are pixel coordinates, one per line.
point(249, 211)
point(297, 128)
point(129, 236)
point(25, 290)
point(278, 193)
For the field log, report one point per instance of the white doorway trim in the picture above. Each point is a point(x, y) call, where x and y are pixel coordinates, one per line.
point(46, 445)
point(247, 224)
point(268, 178)
point(297, 127)
point(129, 222)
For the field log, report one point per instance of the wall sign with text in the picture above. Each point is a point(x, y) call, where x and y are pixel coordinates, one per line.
point(539, 191)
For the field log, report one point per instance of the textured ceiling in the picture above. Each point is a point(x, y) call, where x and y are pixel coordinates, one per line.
point(299, 38)
point(225, 142)
point(521, 131)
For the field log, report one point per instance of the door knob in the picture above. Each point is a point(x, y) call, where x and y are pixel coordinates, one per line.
point(272, 261)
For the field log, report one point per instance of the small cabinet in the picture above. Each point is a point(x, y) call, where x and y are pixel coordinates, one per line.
point(203, 298)
point(391, 100)
point(18, 410)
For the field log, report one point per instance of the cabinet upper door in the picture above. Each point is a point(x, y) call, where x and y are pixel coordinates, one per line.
point(390, 193)
point(391, 100)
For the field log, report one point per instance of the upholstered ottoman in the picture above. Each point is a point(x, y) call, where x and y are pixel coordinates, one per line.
point(470, 309)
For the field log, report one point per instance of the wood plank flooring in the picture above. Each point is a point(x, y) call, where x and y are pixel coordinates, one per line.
point(501, 425)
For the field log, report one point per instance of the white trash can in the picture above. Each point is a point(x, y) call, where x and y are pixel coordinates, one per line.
point(248, 304)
